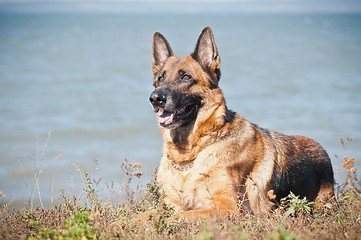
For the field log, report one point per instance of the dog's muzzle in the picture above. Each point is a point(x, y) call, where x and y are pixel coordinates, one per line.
point(170, 116)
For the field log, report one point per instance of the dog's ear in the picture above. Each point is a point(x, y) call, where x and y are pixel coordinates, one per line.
point(161, 51)
point(206, 53)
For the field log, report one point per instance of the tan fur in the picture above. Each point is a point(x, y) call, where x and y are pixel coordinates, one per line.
point(236, 165)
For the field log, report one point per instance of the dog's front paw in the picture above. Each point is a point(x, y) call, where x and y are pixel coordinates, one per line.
point(117, 225)
point(143, 217)
point(174, 219)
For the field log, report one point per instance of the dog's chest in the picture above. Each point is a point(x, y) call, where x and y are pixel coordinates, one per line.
point(184, 191)
point(189, 189)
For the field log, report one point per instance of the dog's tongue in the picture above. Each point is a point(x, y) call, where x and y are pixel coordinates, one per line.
point(166, 118)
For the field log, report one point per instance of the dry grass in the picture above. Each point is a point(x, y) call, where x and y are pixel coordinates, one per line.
point(90, 217)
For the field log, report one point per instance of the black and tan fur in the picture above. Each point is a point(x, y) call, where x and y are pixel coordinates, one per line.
point(216, 162)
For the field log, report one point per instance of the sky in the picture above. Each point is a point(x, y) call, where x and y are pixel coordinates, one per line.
point(185, 6)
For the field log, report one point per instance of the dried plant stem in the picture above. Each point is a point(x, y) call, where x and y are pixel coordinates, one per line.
point(38, 162)
point(53, 181)
point(26, 178)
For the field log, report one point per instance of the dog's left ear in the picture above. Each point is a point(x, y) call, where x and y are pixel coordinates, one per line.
point(161, 51)
point(206, 53)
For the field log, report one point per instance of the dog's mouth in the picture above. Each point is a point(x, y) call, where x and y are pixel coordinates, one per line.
point(174, 119)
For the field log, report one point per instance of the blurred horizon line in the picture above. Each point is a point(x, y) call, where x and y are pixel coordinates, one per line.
point(180, 7)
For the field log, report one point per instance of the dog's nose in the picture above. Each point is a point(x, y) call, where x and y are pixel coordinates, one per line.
point(157, 99)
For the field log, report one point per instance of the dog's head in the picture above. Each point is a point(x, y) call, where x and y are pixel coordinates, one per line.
point(182, 83)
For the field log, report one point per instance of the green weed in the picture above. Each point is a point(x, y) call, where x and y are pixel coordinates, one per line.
point(296, 206)
point(78, 226)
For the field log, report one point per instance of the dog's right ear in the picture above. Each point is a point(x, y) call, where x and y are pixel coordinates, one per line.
point(206, 54)
point(161, 51)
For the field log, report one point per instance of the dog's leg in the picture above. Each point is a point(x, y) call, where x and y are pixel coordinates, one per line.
point(259, 199)
point(199, 214)
point(326, 195)
point(222, 208)
point(193, 215)
point(140, 219)
point(143, 217)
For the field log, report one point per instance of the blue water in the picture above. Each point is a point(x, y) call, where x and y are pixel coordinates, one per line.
point(86, 79)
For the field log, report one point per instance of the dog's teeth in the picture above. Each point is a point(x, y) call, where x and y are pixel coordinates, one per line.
point(171, 117)
point(160, 111)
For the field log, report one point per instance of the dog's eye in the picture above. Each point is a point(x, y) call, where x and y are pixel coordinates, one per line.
point(160, 79)
point(186, 77)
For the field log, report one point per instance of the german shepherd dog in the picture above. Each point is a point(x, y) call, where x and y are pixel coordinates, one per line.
point(215, 162)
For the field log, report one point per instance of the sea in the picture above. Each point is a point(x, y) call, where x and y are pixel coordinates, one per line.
point(74, 91)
